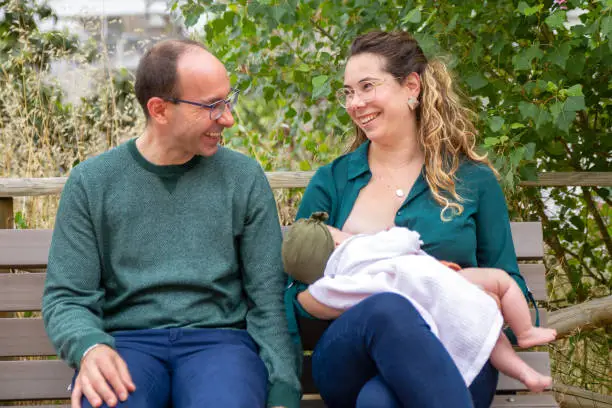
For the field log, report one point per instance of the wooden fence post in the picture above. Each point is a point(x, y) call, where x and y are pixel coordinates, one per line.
point(6, 213)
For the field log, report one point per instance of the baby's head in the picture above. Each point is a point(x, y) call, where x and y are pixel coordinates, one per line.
point(306, 248)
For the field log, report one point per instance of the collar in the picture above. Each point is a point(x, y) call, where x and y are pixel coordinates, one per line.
point(358, 161)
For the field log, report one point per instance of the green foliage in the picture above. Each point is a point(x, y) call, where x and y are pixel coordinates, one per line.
point(21, 18)
point(518, 62)
point(20, 221)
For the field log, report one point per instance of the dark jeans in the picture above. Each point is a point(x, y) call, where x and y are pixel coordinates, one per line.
point(381, 353)
point(192, 368)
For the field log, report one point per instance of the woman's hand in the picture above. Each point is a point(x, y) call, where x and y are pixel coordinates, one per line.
point(316, 308)
point(338, 236)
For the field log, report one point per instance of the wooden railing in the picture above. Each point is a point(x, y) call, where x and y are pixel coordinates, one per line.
point(20, 187)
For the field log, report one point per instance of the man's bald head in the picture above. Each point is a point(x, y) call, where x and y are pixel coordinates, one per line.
point(157, 74)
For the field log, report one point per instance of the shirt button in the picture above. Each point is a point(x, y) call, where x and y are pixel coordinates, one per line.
point(399, 213)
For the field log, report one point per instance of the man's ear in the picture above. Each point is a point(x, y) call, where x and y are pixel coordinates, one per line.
point(413, 83)
point(158, 110)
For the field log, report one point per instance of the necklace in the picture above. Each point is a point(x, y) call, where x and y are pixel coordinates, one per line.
point(394, 186)
point(385, 174)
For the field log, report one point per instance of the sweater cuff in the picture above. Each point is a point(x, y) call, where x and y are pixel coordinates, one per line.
point(282, 395)
point(85, 343)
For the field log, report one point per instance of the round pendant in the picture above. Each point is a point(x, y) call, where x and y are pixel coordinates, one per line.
point(399, 192)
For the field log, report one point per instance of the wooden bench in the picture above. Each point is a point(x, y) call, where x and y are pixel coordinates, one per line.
point(26, 377)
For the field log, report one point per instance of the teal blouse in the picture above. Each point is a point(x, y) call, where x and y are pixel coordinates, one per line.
point(479, 237)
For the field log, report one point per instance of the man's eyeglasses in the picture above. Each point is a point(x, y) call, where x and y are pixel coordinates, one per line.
point(216, 108)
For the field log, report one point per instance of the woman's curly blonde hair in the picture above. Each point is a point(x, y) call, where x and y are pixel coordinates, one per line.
point(446, 128)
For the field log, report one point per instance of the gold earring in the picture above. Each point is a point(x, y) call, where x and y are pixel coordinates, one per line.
point(413, 103)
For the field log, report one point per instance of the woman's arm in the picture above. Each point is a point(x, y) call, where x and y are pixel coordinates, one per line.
point(495, 248)
point(316, 308)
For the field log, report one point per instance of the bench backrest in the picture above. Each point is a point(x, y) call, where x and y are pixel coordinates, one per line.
point(23, 341)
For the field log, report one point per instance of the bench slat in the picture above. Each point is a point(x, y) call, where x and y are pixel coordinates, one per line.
point(539, 360)
point(36, 406)
point(24, 248)
point(30, 248)
point(528, 240)
point(52, 377)
point(500, 401)
point(535, 276)
point(24, 337)
point(21, 291)
point(34, 379)
point(27, 337)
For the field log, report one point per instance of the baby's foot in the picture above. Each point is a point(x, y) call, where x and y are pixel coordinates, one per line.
point(536, 336)
point(535, 381)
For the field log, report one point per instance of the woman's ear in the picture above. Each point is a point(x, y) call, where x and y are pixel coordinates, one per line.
point(413, 84)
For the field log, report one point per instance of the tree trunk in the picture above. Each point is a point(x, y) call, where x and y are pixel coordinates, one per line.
point(588, 315)
point(574, 397)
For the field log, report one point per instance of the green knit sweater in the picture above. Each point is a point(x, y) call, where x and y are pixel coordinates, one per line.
point(140, 246)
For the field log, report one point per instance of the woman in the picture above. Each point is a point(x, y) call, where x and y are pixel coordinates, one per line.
point(412, 164)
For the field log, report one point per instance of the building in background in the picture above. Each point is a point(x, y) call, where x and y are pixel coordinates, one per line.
point(121, 30)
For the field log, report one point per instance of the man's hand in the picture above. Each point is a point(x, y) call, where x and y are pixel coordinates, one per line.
point(101, 369)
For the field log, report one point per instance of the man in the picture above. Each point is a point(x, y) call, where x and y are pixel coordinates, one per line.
point(165, 280)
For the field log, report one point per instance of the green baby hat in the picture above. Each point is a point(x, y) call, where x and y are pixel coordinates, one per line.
point(307, 247)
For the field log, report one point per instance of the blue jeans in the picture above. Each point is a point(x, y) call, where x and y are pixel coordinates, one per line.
point(189, 368)
point(381, 353)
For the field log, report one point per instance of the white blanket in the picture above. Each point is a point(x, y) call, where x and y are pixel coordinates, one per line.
point(465, 319)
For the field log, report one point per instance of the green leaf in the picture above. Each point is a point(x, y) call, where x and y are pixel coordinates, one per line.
point(491, 141)
point(517, 125)
point(453, 23)
point(303, 68)
point(606, 26)
point(476, 81)
point(524, 8)
point(291, 113)
point(516, 156)
point(574, 104)
point(556, 109)
point(275, 41)
point(191, 19)
point(530, 151)
point(560, 55)
point(496, 123)
point(575, 90)
point(278, 12)
point(555, 148)
point(319, 80)
point(529, 172)
point(522, 60)
point(543, 117)
point(413, 16)
point(556, 19)
point(564, 120)
point(528, 110)
point(305, 165)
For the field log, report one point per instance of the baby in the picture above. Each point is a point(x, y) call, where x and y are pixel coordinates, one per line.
point(451, 300)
